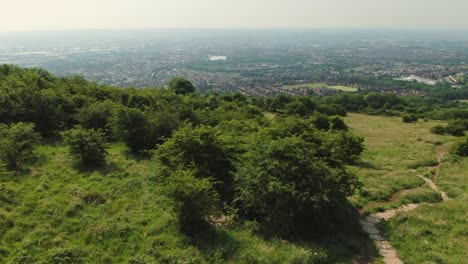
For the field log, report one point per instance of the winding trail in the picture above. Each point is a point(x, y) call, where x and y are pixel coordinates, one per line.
point(368, 224)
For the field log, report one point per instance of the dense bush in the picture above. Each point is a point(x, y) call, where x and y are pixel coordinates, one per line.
point(132, 127)
point(194, 197)
point(97, 116)
point(201, 150)
point(87, 145)
point(409, 118)
point(17, 143)
point(301, 106)
point(438, 129)
point(181, 86)
point(461, 147)
point(345, 147)
point(284, 183)
point(457, 127)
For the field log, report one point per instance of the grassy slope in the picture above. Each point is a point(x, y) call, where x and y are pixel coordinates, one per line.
point(395, 153)
point(433, 233)
point(117, 215)
point(437, 233)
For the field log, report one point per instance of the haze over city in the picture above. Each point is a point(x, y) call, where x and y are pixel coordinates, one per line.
point(150, 14)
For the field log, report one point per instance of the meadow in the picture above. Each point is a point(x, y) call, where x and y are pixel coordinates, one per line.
point(56, 210)
point(395, 154)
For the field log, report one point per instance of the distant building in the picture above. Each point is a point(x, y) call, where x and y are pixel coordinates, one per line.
point(217, 58)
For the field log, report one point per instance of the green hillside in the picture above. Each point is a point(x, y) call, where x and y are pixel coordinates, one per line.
point(96, 174)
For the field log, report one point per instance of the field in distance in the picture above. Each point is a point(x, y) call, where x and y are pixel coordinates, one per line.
point(321, 85)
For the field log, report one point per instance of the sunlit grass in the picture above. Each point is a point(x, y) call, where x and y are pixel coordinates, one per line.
point(117, 214)
point(435, 232)
point(393, 153)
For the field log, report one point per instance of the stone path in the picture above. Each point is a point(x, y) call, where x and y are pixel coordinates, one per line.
point(435, 188)
point(386, 250)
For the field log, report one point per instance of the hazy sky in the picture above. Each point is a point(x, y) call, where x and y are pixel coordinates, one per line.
point(106, 14)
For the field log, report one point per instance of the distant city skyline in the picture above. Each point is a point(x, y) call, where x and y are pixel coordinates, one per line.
point(27, 15)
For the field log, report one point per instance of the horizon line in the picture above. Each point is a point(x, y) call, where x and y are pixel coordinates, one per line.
point(244, 28)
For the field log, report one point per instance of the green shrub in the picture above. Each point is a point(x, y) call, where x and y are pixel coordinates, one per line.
point(181, 86)
point(87, 145)
point(438, 129)
point(142, 131)
point(409, 118)
point(337, 123)
point(344, 147)
point(97, 116)
point(201, 150)
point(284, 183)
point(194, 198)
point(131, 126)
point(457, 127)
point(461, 147)
point(17, 143)
point(67, 256)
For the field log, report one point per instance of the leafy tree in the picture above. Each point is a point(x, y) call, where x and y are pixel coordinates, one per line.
point(161, 124)
point(97, 116)
point(286, 186)
point(279, 102)
point(201, 150)
point(142, 131)
point(331, 109)
point(337, 123)
point(194, 199)
point(87, 145)
point(344, 147)
point(132, 126)
point(17, 143)
point(321, 121)
point(181, 86)
point(301, 106)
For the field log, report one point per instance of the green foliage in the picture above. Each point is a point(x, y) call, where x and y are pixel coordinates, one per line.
point(220, 162)
point(86, 145)
point(284, 183)
point(345, 147)
point(457, 127)
point(68, 256)
point(438, 129)
point(409, 118)
point(195, 199)
point(97, 116)
point(278, 103)
point(337, 123)
point(132, 127)
point(461, 147)
point(142, 131)
point(301, 106)
point(201, 150)
point(17, 144)
point(181, 86)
